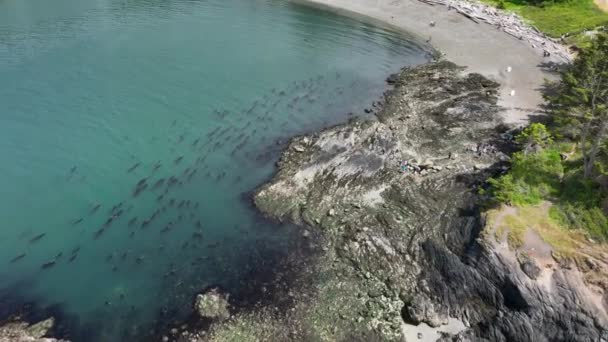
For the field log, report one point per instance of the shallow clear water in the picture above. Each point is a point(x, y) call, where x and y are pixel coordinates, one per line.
point(98, 96)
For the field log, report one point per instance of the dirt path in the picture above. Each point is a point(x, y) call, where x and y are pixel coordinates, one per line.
point(602, 4)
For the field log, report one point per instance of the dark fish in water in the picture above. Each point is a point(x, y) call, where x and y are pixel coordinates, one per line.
point(212, 133)
point(59, 255)
point(73, 169)
point(144, 223)
point(172, 181)
point(181, 203)
point(197, 235)
point(139, 189)
point(132, 234)
point(186, 171)
point(159, 183)
point(180, 139)
point(108, 221)
point(77, 221)
point(109, 257)
point(171, 201)
point(48, 264)
point(116, 207)
point(195, 142)
point(132, 221)
point(73, 257)
point(95, 208)
point(166, 229)
point(156, 166)
point(160, 198)
point(141, 181)
point(18, 257)
point(139, 259)
point(75, 250)
point(173, 123)
point(37, 237)
point(98, 233)
point(198, 224)
point(178, 159)
point(132, 168)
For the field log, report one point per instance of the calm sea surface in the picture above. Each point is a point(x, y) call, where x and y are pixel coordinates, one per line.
point(132, 131)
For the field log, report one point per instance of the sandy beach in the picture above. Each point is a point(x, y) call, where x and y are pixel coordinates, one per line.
point(480, 47)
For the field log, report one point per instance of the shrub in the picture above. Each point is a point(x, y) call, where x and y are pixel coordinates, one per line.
point(534, 136)
point(533, 176)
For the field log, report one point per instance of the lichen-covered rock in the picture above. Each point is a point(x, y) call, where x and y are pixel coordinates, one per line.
point(18, 331)
point(213, 305)
point(529, 266)
point(422, 310)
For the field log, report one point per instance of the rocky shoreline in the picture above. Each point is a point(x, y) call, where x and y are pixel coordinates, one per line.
point(396, 249)
point(401, 255)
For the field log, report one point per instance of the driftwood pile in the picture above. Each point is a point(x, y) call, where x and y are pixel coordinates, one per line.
point(510, 23)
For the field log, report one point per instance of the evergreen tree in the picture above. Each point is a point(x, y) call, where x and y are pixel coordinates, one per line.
point(581, 103)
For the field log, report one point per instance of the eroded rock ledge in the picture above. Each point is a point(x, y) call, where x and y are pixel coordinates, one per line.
point(18, 331)
point(395, 201)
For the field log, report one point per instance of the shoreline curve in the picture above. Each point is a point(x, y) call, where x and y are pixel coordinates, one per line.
point(480, 47)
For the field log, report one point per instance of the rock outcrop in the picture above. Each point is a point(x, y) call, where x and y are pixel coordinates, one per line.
point(17, 331)
point(396, 199)
point(213, 304)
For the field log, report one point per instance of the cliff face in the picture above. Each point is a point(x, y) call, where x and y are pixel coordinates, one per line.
point(395, 202)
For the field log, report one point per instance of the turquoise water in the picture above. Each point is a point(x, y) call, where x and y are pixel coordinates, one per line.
point(188, 99)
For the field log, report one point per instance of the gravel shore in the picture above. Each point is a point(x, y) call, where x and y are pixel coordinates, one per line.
point(480, 47)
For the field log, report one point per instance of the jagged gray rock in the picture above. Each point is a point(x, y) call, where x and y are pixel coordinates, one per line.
point(413, 237)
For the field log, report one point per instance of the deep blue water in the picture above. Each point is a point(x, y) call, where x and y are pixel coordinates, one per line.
point(188, 99)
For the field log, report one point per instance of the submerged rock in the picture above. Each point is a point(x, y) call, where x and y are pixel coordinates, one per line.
point(213, 304)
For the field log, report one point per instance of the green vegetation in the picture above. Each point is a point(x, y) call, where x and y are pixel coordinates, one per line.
point(557, 18)
point(514, 225)
point(570, 169)
point(521, 187)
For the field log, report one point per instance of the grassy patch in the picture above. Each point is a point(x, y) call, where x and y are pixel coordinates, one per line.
point(556, 19)
point(537, 218)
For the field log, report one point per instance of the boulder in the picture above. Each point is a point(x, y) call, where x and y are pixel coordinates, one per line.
point(421, 309)
point(213, 304)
